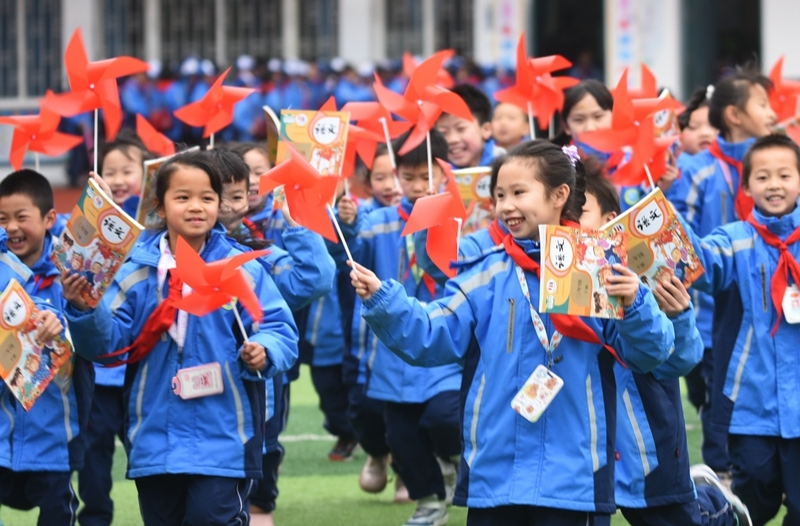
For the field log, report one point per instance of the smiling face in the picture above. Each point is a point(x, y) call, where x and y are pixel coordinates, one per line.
point(586, 116)
point(259, 165)
point(774, 182)
point(509, 125)
point(522, 202)
point(26, 226)
point(190, 207)
point(465, 139)
point(381, 181)
point(124, 172)
point(755, 120)
point(234, 204)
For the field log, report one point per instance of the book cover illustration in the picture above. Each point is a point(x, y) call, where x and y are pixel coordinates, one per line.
point(26, 367)
point(659, 247)
point(95, 242)
point(575, 269)
point(473, 185)
point(146, 212)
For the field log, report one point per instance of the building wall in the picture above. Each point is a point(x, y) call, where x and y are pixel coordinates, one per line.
point(780, 20)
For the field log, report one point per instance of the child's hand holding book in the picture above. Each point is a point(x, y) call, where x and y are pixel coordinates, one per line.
point(73, 285)
point(48, 325)
point(672, 296)
point(625, 284)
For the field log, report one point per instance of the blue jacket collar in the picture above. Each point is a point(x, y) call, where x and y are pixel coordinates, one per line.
point(532, 248)
point(406, 204)
point(44, 265)
point(780, 226)
point(3, 240)
point(148, 252)
point(735, 150)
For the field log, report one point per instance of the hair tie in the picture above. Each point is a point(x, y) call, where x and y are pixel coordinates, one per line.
point(709, 92)
point(572, 153)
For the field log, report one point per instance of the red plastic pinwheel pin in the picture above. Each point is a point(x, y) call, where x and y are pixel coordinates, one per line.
point(307, 192)
point(536, 90)
point(784, 93)
point(423, 101)
point(93, 85)
point(215, 109)
point(443, 77)
point(442, 215)
point(37, 133)
point(154, 141)
point(215, 284)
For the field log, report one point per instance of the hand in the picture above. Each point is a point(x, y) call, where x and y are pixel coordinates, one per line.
point(365, 281)
point(672, 296)
point(669, 177)
point(625, 285)
point(287, 216)
point(72, 285)
point(254, 356)
point(348, 211)
point(48, 325)
point(102, 183)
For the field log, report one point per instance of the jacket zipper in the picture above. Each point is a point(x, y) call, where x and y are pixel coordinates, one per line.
point(512, 309)
point(764, 287)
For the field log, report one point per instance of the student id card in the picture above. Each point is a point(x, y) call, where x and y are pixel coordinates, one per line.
point(199, 381)
point(791, 304)
point(536, 394)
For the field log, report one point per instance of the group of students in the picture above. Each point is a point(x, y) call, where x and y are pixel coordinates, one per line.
point(419, 370)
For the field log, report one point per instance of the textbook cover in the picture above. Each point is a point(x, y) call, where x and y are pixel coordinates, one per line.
point(95, 242)
point(146, 213)
point(659, 247)
point(575, 266)
point(26, 367)
point(473, 185)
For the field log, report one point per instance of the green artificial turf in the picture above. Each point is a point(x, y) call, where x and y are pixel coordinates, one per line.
point(313, 489)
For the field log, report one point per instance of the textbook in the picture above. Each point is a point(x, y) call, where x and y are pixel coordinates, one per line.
point(146, 213)
point(659, 247)
point(95, 242)
point(575, 266)
point(26, 367)
point(473, 185)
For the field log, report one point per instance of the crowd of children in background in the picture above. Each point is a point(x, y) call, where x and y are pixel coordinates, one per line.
point(416, 369)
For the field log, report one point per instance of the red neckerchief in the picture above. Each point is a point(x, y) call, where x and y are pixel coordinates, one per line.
point(569, 326)
point(786, 264)
point(742, 203)
point(41, 282)
point(496, 233)
point(255, 232)
point(429, 282)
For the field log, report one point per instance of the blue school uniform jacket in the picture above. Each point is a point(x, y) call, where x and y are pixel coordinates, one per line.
point(756, 374)
point(49, 437)
point(652, 467)
point(565, 460)
point(704, 198)
point(375, 242)
point(324, 330)
point(217, 435)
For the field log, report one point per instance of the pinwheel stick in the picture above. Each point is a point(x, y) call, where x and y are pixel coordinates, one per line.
point(530, 121)
point(36, 158)
point(391, 151)
point(96, 113)
point(649, 177)
point(244, 332)
point(211, 142)
point(430, 162)
point(552, 132)
point(341, 236)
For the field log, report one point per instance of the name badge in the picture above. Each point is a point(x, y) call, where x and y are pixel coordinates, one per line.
point(791, 304)
point(536, 394)
point(199, 381)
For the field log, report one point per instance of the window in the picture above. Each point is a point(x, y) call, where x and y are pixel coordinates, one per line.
point(454, 26)
point(187, 26)
point(9, 65)
point(254, 28)
point(124, 28)
point(403, 27)
point(43, 46)
point(319, 29)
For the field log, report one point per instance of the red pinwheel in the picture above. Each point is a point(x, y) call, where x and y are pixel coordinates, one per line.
point(442, 215)
point(648, 86)
point(37, 133)
point(423, 101)
point(637, 132)
point(215, 284)
point(215, 109)
point(154, 141)
point(370, 116)
point(307, 192)
point(536, 91)
point(443, 77)
point(93, 85)
point(784, 93)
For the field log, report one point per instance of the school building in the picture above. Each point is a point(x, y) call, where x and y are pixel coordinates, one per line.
point(686, 42)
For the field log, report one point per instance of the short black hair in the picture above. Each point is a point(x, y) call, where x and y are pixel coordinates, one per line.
point(696, 101)
point(478, 103)
point(734, 90)
point(600, 187)
point(125, 140)
point(419, 154)
point(774, 140)
point(231, 165)
point(191, 159)
point(32, 184)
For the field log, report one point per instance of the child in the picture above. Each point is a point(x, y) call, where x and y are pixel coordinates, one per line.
point(697, 133)
point(192, 460)
point(755, 388)
point(558, 470)
point(469, 143)
point(653, 483)
point(121, 166)
point(260, 214)
point(509, 125)
point(41, 447)
point(707, 195)
point(421, 405)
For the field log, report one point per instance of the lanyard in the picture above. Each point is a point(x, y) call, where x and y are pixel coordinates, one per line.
point(549, 346)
